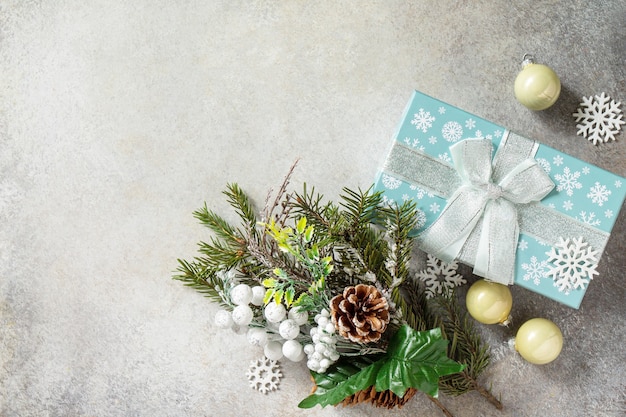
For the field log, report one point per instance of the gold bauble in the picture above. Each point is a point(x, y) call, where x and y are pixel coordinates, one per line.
point(539, 341)
point(537, 86)
point(489, 302)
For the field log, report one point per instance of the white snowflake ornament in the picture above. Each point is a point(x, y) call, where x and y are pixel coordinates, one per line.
point(573, 264)
point(440, 275)
point(264, 375)
point(599, 117)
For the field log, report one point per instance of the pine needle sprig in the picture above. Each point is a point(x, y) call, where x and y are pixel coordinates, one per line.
point(203, 280)
point(399, 222)
point(361, 208)
point(240, 201)
point(310, 204)
point(416, 309)
point(466, 347)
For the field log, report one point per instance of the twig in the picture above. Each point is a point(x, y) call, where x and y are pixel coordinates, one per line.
point(441, 406)
point(269, 209)
point(487, 394)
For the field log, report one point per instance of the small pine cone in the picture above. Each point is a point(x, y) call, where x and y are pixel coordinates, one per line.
point(360, 314)
point(386, 399)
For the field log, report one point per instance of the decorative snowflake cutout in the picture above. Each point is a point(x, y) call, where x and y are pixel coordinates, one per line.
point(264, 375)
point(599, 194)
point(452, 131)
point(422, 120)
point(568, 205)
point(600, 117)
point(420, 218)
point(414, 143)
point(573, 264)
point(390, 182)
point(535, 270)
point(440, 275)
point(568, 181)
point(588, 218)
point(434, 208)
point(388, 201)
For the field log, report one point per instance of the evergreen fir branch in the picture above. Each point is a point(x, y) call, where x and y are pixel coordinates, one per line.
point(466, 347)
point(415, 307)
point(360, 207)
point(399, 222)
point(203, 280)
point(310, 205)
point(218, 225)
point(221, 255)
point(242, 205)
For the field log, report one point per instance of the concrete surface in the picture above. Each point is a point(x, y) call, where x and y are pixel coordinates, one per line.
point(119, 118)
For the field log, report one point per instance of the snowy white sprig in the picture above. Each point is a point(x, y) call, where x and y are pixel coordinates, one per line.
point(323, 351)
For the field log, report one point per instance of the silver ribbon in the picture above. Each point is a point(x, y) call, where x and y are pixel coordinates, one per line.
point(487, 203)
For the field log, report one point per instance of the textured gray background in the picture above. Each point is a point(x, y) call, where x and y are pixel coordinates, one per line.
point(119, 118)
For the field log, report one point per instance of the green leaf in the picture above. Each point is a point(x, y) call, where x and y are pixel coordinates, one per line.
point(268, 295)
point(414, 360)
point(301, 299)
point(278, 296)
point(290, 293)
point(269, 282)
point(334, 386)
point(308, 234)
point(301, 225)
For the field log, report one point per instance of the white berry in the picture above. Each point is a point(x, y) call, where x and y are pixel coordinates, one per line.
point(273, 350)
point(241, 294)
point(258, 293)
point(223, 319)
point(289, 329)
point(242, 315)
point(257, 337)
point(298, 315)
point(275, 312)
point(293, 351)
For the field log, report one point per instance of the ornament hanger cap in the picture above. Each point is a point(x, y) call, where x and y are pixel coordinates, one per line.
point(527, 59)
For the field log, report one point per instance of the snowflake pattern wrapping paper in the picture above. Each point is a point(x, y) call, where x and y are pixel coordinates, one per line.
point(585, 201)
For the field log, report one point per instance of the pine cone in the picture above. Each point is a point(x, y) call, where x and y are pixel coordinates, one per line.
point(360, 314)
point(385, 399)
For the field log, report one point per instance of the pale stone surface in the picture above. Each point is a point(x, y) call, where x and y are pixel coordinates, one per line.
point(119, 118)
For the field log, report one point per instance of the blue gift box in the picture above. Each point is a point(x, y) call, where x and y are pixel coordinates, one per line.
point(561, 236)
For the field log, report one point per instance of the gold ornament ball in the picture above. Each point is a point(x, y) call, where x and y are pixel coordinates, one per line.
point(489, 302)
point(537, 86)
point(539, 341)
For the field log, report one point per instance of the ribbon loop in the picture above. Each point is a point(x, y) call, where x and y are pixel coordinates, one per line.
point(489, 209)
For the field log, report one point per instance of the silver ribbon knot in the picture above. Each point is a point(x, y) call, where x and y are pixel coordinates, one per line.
point(485, 207)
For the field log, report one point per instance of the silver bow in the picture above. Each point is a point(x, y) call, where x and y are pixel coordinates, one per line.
point(496, 250)
point(485, 205)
